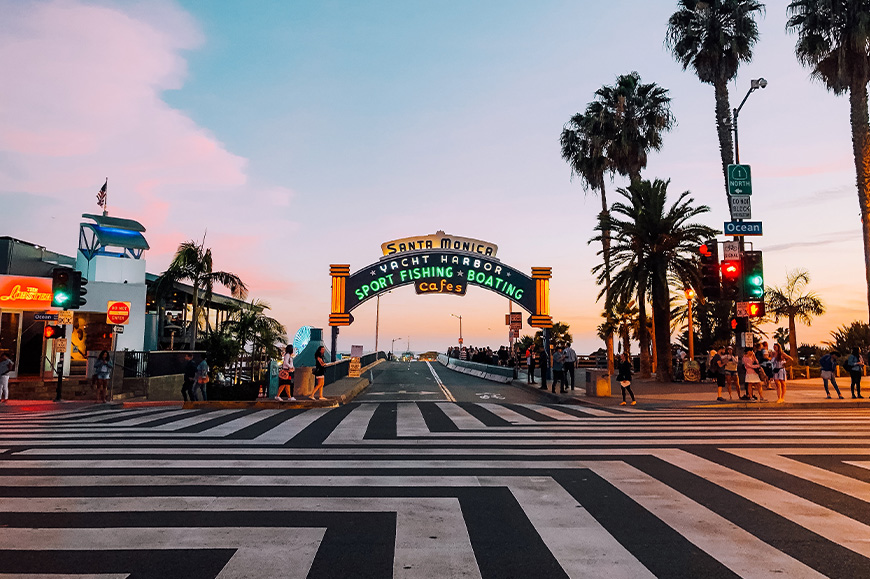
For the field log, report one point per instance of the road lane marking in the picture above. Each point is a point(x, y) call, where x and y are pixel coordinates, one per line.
point(441, 385)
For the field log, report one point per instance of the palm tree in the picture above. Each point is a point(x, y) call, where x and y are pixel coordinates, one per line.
point(834, 40)
point(251, 326)
point(632, 117)
point(193, 263)
point(714, 37)
point(651, 242)
point(788, 302)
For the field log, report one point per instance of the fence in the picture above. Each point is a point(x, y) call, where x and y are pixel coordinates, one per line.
point(138, 364)
point(335, 371)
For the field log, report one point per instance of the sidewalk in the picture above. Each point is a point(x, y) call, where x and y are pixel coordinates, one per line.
point(338, 393)
point(800, 393)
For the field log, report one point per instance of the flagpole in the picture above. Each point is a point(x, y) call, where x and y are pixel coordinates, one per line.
point(106, 201)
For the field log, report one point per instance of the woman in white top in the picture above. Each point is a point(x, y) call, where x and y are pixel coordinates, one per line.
point(753, 378)
point(286, 367)
point(780, 359)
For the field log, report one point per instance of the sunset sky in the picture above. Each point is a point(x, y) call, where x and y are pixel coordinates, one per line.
point(296, 134)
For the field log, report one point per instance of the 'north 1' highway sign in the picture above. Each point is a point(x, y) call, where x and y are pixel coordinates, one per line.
point(739, 180)
point(742, 228)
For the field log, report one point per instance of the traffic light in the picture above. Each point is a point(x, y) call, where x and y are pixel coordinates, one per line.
point(78, 289)
point(61, 287)
point(711, 287)
point(740, 325)
point(731, 279)
point(54, 332)
point(755, 309)
point(753, 278)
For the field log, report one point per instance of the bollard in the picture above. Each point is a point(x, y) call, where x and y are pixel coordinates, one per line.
point(597, 383)
point(303, 381)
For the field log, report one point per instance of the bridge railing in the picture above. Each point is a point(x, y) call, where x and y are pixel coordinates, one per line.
point(486, 371)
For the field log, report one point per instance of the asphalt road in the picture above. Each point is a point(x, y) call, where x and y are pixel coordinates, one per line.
point(432, 382)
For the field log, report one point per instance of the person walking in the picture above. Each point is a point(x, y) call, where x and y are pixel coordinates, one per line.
point(569, 363)
point(855, 367)
point(544, 363)
point(729, 368)
point(102, 374)
point(285, 376)
point(530, 365)
point(753, 375)
point(558, 370)
point(6, 367)
point(624, 376)
point(319, 373)
point(189, 377)
point(200, 379)
point(779, 361)
point(828, 363)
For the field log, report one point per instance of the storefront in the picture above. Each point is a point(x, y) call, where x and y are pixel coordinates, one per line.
point(21, 334)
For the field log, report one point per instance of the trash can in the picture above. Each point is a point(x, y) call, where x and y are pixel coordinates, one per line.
point(597, 383)
point(303, 381)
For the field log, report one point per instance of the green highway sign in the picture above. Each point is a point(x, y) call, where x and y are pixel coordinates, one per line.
point(739, 180)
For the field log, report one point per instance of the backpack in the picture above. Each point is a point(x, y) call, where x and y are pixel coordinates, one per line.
point(846, 365)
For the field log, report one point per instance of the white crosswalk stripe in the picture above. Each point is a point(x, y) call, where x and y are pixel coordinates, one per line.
point(507, 490)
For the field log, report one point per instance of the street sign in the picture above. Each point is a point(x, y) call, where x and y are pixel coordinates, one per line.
point(731, 250)
point(741, 206)
point(59, 345)
point(516, 321)
point(119, 329)
point(65, 317)
point(742, 228)
point(45, 317)
point(118, 313)
point(739, 180)
point(356, 351)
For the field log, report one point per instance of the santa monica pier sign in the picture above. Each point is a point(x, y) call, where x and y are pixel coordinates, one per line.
point(439, 263)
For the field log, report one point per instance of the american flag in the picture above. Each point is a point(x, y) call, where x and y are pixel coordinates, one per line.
point(101, 196)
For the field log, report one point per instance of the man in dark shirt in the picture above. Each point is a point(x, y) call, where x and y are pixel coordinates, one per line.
point(189, 377)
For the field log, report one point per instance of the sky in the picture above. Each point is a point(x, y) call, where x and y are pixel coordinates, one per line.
point(295, 135)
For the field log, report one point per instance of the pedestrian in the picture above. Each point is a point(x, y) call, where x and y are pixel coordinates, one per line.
point(763, 357)
point(558, 370)
point(729, 368)
point(828, 362)
point(855, 366)
point(716, 372)
point(530, 364)
point(189, 377)
point(319, 373)
point(544, 363)
point(6, 367)
point(285, 375)
point(569, 363)
point(624, 377)
point(102, 373)
point(200, 379)
point(779, 361)
point(752, 378)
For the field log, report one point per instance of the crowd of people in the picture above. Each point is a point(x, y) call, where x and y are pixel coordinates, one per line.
point(564, 362)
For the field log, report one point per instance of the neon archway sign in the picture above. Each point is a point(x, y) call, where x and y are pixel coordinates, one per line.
point(439, 263)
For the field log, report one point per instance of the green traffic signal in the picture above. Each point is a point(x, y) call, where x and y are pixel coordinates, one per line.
point(60, 298)
point(753, 267)
point(61, 287)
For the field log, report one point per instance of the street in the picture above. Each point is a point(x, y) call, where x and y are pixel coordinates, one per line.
point(404, 482)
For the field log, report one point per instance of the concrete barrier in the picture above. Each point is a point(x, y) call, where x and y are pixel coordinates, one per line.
point(597, 383)
point(501, 374)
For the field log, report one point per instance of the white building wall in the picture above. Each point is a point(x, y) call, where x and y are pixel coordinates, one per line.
point(106, 268)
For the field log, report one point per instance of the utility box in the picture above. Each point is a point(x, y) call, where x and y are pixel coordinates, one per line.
point(598, 383)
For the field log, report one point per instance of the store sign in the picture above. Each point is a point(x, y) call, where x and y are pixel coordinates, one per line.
point(25, 293)
point(439, 240)
point(118, 313)
point(434, 270)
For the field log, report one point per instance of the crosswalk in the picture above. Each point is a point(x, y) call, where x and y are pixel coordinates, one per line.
point(435, 489)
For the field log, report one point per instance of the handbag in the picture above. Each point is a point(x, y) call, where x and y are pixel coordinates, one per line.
point(731, 366)
point(284, 374)
point(202, 380)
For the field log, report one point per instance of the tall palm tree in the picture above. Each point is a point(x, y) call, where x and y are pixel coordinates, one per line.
point(632, 118)
point(252, 327)
point(789, 302)
point(834, 41)
point(193, 263)
point(714, 37)
point(651, 242)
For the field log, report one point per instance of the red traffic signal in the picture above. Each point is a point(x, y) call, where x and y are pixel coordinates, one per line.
point(704, 250)
point(730, 269)
point(54, 332)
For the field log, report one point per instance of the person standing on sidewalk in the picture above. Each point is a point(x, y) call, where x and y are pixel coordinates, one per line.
point(569, 363)
point(729, 368)
point(753, 377)
point(544, 363)
point(624, 377)
point(102, 374)
point(287, 369)
point(189, 377)
point(559, 370)
point(855, 367)
point(319, 373)
point(530, 364)
point(780, 378)
point(828, 362)
point(6, 366)
point(715, 371)
point(201, 379)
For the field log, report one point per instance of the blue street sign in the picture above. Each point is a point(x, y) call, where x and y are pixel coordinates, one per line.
point(45, 317)
point(743, 228)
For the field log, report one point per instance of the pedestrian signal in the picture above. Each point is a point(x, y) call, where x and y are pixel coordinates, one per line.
point(711, 287)
point(54, 332)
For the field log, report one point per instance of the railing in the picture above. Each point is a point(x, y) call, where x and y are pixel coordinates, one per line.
point(335, 371)
point(135, 364)
point(138, 364)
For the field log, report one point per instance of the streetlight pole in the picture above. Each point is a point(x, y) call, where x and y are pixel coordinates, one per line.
point(393, 344)
point(754, 85)
point(460, 327)
point(690, 295)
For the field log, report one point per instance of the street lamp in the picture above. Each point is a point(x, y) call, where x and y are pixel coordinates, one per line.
point(460, 327)
point(393, 344)
point(690, 295)
point(754, 85)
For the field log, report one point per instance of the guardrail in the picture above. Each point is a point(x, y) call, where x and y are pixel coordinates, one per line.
point(503, 374)
point(335, 371)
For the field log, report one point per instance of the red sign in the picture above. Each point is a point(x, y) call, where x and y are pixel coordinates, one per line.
point(25, 293)
point(118, 313)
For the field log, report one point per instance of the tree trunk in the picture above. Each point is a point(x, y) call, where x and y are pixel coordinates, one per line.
point(609, 343)
point(605, 248)
point(643, 332)
point(662, 326)
point(626, 341)
point(723, 127)
point(858, 117)
point(194, 321)
point(652, 340)
point(792, 339)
